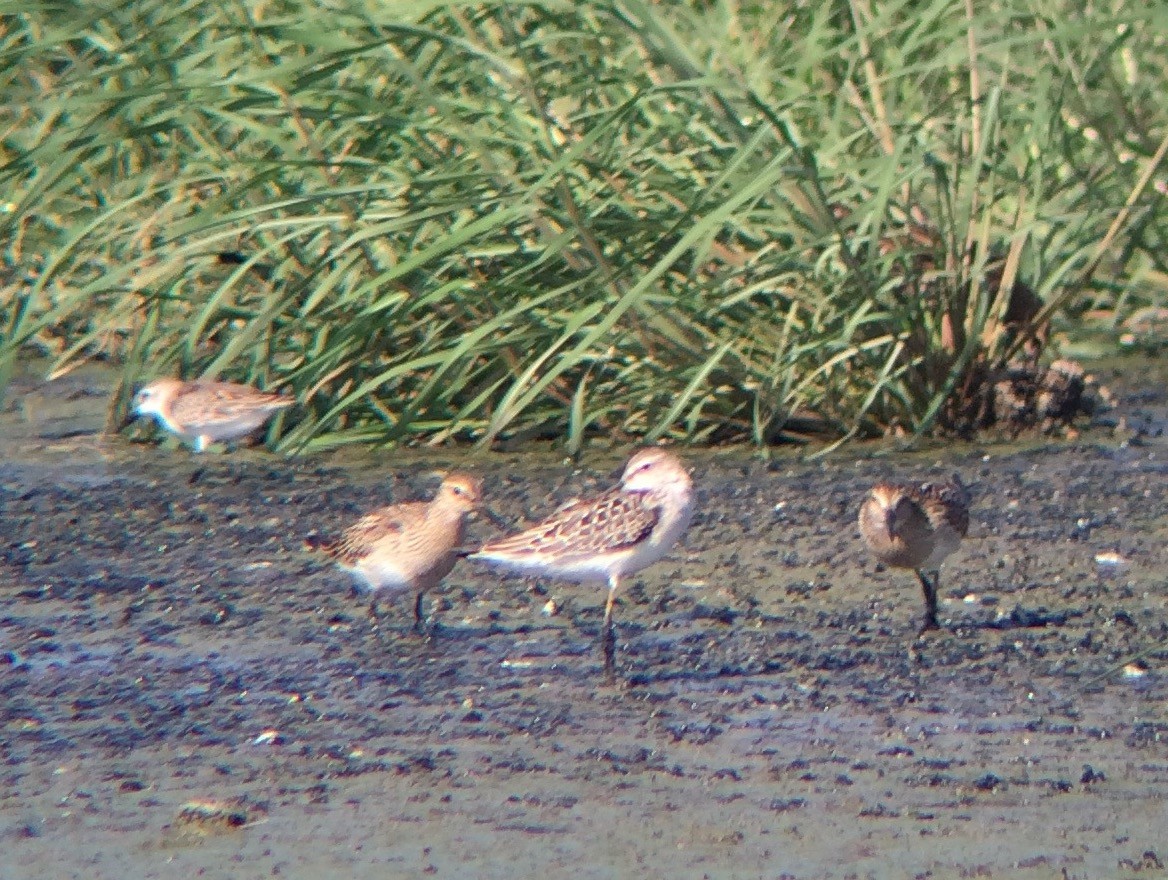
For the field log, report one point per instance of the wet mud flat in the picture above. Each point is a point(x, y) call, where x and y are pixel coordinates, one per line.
point(184, 691)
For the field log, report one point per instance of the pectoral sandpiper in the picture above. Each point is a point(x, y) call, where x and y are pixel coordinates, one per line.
point(409, 546)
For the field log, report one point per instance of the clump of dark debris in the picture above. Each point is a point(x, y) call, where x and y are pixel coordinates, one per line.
point(1024, 397)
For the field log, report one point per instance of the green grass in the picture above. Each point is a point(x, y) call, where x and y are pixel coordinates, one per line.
point(482, 221)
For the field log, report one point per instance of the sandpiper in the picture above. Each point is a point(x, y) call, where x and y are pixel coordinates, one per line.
point(206, 412)
point(916, 526)
point(607, 537)
point(409, 546)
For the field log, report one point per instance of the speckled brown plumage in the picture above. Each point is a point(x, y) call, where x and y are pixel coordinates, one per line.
point(205, 412)
point(607, 523)
point(396, 524)
point(216, 402)
point(916, 526)
point(608, 536)
point(410, 546)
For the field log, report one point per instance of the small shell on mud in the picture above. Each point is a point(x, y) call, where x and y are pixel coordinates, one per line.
point(268, 736)
point(1109, 557)
point(215, 817)
point(550, 608)
point(1134, 670)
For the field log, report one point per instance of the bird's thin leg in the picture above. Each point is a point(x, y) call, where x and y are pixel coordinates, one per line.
point(419, 617)
point(608, 637)
point(930, 590)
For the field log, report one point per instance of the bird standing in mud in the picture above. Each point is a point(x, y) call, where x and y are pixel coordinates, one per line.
point(204, 412)
point(607, 537)
point(409, 546)
point(916, 527)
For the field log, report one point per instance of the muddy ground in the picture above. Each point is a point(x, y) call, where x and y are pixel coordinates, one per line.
point(185, 692)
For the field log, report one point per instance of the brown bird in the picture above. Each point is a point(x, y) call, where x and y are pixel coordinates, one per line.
point(206, 412)
point(409, 546)
point(916, 526)
point(607, 537)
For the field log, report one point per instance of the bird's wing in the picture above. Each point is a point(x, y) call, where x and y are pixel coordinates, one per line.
point(371, 530)
point(210, 402)
point(604, 524)
point(949, 500)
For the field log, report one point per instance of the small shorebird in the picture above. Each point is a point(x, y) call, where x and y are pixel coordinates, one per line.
point(607, 537)
point(409, 546)
point(916, 526)
point(206, 412)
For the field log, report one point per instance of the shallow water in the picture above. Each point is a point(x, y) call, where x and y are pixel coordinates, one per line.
point(164, 640)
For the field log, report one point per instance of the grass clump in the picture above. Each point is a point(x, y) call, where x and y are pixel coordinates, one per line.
point(703, 221)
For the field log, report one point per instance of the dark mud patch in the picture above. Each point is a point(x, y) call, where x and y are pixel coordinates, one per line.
point(184, 691)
